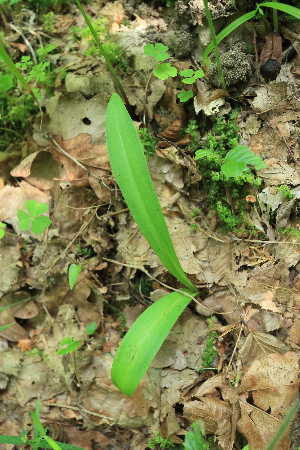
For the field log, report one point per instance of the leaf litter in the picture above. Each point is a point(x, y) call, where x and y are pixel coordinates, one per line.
point(251, 285)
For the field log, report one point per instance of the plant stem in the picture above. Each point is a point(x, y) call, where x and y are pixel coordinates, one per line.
point(109, 65)
point(213, 35)
point(275, 17)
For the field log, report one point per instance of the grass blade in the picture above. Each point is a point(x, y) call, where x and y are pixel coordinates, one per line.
point(144, 339)
point(229, 29)
point(291, 10)
point(131, 172)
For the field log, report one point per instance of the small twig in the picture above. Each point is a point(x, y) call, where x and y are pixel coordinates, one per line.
point(26, 41)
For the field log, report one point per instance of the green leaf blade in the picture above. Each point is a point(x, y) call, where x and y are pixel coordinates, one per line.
point(141, 343)
point(74, 271)
point(202, 153)
point(132, 175)
point(284, 8)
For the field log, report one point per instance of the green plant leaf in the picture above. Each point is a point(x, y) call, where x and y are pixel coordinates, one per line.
point(144, 339)
point(39, 224)
point(37, 424)
point(184, 96)
point(158, 51)
point(229, 29)
point(186, 73)
point(74, 271)
point(24, 219)
point(201, 153)
point(284, 8)
point(6, 326)
point(35, 208)
point(130, 170)
point(71, 346)
point(165, 70)
point(237, 160)
point(91, 328)
point(2, 232)
point(6, 82)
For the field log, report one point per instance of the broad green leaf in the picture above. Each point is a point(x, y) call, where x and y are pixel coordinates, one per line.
point(237, 160)
point(241, 153)
point(39, 224)
point(35, 208)
point(201, 153)
point(165, 70)
point(186, 73)
point(131, 172)
point(144, 339)
point(6, 82)
point(284, 8)
point(229, 29)
point(74, 271)
point(233, 169)
point(24, 219)
point(184, 96)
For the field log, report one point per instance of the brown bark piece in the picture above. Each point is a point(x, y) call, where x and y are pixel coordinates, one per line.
point(272, 48)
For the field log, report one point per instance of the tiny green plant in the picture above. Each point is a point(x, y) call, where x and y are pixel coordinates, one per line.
point(286, 192)
point(210, 351)
point(74, 271)
point(148, 141)
point(69, 345)
point(196, 440)
point(34, 219)
point(158, 442)
point(165, 70)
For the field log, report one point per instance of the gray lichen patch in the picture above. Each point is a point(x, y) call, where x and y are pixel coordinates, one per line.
point(180, 42)
point(236, 67)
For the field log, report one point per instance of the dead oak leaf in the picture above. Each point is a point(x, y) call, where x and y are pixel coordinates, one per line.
point(93, 157)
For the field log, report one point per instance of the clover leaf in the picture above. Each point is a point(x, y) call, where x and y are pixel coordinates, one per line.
point(158, 51)
point(191, 75)
point(38, 223)
point(184, 96)
point(165, 70)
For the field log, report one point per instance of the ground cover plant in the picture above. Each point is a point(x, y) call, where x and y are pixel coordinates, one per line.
point(86, 271)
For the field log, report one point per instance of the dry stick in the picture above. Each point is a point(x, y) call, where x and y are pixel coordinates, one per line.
point(25, 40)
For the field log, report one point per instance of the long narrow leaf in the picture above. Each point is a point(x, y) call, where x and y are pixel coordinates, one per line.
point(144, 339)
point(291, 10)
point(130, 169)
point(11, 65)
point(229, 29)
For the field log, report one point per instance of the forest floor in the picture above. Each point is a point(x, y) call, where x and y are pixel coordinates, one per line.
point(232, 359)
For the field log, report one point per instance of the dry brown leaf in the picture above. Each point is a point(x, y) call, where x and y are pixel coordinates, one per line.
point(93, 157)
point(216, 415)
point(258, 345)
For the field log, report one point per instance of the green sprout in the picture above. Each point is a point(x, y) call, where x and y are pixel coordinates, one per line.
point(34, 219)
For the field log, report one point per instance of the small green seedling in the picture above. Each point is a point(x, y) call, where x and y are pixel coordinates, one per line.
point(74, 271)
point(159, 442)
point(68, 345)
point(34, 219)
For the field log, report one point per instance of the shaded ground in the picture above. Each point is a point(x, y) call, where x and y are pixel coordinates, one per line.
point(249, 281)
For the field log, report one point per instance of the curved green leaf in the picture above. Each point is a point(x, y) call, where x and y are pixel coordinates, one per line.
point(131, 172)
point(144, 339)
point(74, 271)
point(284, 8)
point(229, 29)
